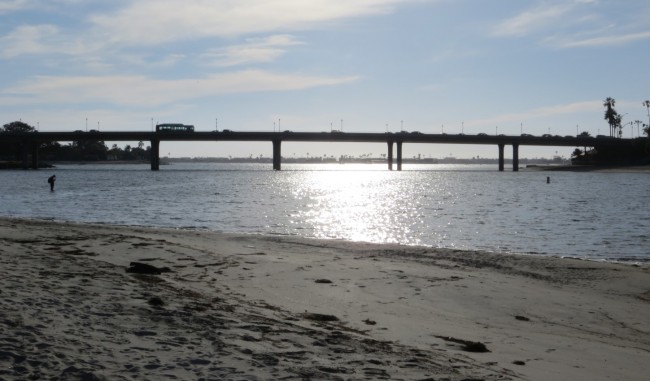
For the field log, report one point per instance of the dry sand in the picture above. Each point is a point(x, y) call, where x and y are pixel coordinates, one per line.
point(244, 307)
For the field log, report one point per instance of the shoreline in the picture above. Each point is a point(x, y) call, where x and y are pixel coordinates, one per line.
point(641, 168)
point(628, 262)
point(239, 305)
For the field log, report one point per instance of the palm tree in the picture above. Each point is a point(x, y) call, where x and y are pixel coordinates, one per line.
point(638, 123)
point(611, 116)
point(584, 134)
point(646, 103)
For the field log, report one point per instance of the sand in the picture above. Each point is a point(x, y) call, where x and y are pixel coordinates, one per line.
point(246, 307)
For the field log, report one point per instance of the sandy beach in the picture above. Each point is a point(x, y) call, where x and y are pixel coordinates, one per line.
point(246, 307)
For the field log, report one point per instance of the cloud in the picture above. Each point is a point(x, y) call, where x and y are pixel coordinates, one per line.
point(7, 6)
point(28, 40)
point(257, 50)
point(152, 22)
point(542, 112)
point(531, 20)
point(42, 39)
point(608, 40)
point(123, 28)
point(138, 90)
point(578, 23)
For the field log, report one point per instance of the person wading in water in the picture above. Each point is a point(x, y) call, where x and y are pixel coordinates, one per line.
point(51, 180)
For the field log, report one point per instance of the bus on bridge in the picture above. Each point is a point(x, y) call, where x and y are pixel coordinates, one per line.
point(174, 127)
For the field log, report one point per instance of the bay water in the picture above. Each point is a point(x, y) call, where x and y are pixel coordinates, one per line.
point(591, 215)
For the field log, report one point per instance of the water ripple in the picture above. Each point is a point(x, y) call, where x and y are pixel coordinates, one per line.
point(586, 215)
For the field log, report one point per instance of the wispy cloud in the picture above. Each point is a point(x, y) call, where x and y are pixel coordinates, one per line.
point(254, 50)
point(578, 23)
point(540, 113)
point(144, 91)
point(28, 40)
point(607, 40)
point(43, 39)
point(531, 20)
point(150, 22)
point(108, 37)
point(7, 6)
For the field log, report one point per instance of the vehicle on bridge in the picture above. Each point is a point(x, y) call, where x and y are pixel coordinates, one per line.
point(174, 127)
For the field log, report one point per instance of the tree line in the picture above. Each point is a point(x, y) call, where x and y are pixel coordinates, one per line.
point(82, 150)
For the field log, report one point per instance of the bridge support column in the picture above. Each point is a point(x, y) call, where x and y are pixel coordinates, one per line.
point(501, 161)
point(35, 145)
point(399, 156)
point(25, 153)
point(390, 156)
point(515, 157)
point(277, 154)
point(155, 154)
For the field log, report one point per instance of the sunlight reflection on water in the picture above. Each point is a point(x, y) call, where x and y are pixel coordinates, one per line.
point(361, 206)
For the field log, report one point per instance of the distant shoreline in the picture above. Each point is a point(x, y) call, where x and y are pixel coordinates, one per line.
point(12, 165)
point(593, 168)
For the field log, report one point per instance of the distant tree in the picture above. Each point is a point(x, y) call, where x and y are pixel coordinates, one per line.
point(49, 150)
point(638, 123)
point(116, 153)
point(611, 116)
point(576, 153)
point(14, 150)
point(138, 153)
point(84, 149)
point(618, 120)
point(646, 104)
point(17, 127)
point(584, 134)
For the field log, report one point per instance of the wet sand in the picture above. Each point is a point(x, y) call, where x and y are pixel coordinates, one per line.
point(245, 307)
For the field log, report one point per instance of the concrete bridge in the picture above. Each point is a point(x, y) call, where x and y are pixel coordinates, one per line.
point(31, 141)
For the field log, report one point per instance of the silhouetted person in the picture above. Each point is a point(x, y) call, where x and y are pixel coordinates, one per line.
point(51, 180)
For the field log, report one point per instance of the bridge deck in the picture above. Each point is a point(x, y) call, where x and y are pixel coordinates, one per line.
point(568, 141)
point(32, 141)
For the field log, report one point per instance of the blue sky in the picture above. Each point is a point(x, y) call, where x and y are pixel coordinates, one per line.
point(501, 66)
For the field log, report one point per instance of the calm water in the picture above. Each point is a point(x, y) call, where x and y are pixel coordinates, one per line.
point(590, 215)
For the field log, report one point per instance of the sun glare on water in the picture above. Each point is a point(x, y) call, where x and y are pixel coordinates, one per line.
point(357, 205)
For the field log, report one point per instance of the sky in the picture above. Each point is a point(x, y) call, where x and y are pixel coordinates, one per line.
point(452, 66)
